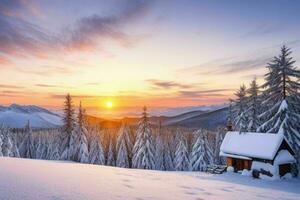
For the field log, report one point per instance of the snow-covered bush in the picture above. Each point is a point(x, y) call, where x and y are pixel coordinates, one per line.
point(287, 176)
point(230, 169)
point(246, 172)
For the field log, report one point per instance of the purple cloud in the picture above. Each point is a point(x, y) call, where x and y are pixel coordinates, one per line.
point(19, 37)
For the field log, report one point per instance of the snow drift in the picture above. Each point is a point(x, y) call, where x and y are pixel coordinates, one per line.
point(57, 180)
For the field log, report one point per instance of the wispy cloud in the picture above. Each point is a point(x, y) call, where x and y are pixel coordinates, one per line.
point(18, 8)
point(263, 29)
point(203, 93)
point(21, 38)
point(242, 65)
point(52, 86)
point(14, 92)
point(161, 84)
point(10, 86)
point(90, 31)
point(47, 70)
point(227, 66)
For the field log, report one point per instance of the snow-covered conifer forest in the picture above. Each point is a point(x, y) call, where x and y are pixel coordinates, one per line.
point(273, 107)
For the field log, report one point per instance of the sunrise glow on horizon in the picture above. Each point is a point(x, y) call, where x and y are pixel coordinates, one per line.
point(121, 55)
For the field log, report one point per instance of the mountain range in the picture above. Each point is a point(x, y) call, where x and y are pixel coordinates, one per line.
point(208, 119)
point(17, 116)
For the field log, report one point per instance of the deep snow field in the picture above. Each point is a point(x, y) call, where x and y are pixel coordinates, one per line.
point(25, 179)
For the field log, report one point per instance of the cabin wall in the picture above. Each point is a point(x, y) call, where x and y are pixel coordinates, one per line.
point(229, 161)
point(247, 164)
point(238, 164)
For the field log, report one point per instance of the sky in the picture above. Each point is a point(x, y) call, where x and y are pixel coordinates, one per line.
point(162, 54)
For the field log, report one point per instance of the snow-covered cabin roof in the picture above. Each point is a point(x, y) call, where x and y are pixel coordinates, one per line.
point(253, 145)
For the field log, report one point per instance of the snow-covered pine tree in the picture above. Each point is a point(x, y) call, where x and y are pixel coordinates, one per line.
point(25, 141)
point(220, 134)
point(15, 149)
point(181, 160)
point(68, 127)
point(201, 155)
point(143, 151)
point(230, 116)
point(8, 146)
point(83, 150)
point(1, 142)
point(167, 157)
point(41, 150)
point(49, 147)
point(78, 147)
point(111, 161)
point(122, 155)
point(32, 147)
point(6, 142)
point(73, 150)
point(96, 152)
point(54, 153)
point(253, 106)
point(124, 146)
point(159, 151)
point(240, 117)
point(281, 106)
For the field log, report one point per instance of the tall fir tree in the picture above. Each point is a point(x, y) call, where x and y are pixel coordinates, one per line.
point(27, 148)
point(253, 106)
point(181, 160)
point(96, 151)
point(240, 117)
point(230, 116)
point(23, 143)
point(54, 154)
point(68, 127)
point(167, 157)
point(1, 142)
point(159, 150)
point(281, 104)
point(143, 151)
point(6, 142)
point(220, 134)
point(202, 154)
point(124, 147)
point(110, 158)
point(78, 147)
point(41, 150)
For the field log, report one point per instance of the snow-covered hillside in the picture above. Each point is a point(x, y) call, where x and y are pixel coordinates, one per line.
point(57, 180)
point(17, 116)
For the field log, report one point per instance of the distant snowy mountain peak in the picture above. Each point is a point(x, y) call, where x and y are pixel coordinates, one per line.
point(17, 116)
point(27, 108)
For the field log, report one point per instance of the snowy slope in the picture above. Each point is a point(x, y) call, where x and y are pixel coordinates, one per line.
point(208, 120)
point(57, 180)
point(17, 116)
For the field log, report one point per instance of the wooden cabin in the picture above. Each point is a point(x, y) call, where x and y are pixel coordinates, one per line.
point(266, 152)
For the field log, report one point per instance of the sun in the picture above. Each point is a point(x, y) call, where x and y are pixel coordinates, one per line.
point(109, 104)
